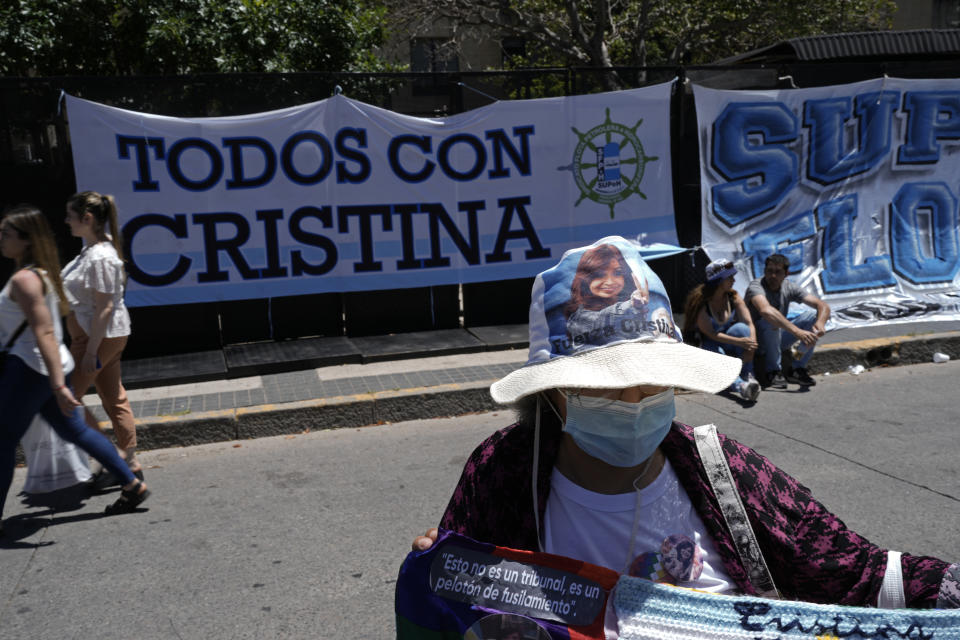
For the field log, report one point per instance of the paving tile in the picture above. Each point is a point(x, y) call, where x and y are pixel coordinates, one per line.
point(295, 393)
point(211, 401)
point(149, 407)
point(295, 386)
point(180, 405)
point(227, 400)
point(242, 398)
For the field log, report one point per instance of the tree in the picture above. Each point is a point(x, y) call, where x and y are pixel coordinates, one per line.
point(160, 37)
point(609, 33)
point(705, 31)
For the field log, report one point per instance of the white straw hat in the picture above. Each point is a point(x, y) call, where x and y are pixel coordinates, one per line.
point(601, 319)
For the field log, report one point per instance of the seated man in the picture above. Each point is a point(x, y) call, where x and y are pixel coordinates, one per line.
point(769, 299)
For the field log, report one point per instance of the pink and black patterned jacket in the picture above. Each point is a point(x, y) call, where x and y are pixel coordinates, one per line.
point(810, 552)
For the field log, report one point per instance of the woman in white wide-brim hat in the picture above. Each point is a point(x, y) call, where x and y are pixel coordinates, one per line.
point(597, 469)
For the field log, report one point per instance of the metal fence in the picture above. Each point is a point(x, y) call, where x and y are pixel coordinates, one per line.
point(36, 166)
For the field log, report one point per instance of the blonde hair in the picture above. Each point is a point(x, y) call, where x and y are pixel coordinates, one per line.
point(30, 224)
point(103, 208)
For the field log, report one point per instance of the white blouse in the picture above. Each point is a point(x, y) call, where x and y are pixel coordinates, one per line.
point(97, 268)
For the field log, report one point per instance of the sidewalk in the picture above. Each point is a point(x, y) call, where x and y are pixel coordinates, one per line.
point(357, 395)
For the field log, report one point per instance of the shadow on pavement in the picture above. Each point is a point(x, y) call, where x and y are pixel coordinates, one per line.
point(23, 526)
point(66, 499)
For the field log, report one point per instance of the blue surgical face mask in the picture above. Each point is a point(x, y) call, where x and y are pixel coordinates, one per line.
point(622, 434)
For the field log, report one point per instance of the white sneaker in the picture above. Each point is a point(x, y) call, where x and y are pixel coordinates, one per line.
point(750, 390)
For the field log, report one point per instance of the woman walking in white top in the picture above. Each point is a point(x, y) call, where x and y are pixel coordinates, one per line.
point(98, 323)
point(34, 376)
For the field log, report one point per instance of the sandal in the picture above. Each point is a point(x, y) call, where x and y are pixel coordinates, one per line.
point(129, 500)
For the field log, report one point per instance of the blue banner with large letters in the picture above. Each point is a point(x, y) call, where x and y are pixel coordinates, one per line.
point(339, 195)
point(856, 184)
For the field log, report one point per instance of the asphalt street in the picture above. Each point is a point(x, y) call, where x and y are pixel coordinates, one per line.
point(301, 536)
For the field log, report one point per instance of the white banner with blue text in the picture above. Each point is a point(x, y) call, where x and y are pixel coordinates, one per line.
point(339, 195)
point(857, 185)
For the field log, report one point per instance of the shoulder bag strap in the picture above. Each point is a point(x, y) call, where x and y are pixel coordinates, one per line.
point(16, 334)
point(744, 539)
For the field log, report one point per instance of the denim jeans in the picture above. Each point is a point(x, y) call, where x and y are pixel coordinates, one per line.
point(737, 330)
point(23, 394)
point(772, 340)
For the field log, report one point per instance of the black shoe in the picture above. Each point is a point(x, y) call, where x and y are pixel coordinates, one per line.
point(776, 380)
point(103, 480)
point(801, 377)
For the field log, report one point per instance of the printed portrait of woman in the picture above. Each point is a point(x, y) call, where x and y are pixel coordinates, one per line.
point(607, 300)
point(681, 557)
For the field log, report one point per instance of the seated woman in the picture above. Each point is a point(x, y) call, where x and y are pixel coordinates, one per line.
point(722, 319)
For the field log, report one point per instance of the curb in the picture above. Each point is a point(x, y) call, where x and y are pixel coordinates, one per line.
point(892, 351)
point(454, 399)
point(355, 411)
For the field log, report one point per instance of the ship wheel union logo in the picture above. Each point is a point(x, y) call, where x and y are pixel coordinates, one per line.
point(608, 163)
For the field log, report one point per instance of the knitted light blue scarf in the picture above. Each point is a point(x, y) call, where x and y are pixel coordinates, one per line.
point(650, 611)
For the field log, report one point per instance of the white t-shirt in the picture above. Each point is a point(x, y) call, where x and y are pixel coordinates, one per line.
point(97, 268)
point(596, 527)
